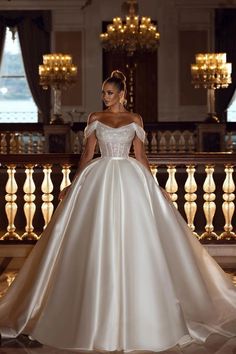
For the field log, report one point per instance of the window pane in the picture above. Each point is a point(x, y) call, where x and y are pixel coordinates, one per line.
point(14, 89)
point(12, 63)
point(16, 101)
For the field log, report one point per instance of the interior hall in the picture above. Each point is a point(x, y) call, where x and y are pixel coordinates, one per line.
point(179, 60)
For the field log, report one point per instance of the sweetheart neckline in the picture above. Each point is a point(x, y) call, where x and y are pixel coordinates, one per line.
point(122, 126)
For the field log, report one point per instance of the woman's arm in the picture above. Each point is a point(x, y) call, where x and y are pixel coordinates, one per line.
point(139, 148)
point(140, 155)
point(86, 156)
point(87, 153)
point(89, 147)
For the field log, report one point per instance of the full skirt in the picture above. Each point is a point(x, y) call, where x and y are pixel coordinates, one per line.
point(117, 268)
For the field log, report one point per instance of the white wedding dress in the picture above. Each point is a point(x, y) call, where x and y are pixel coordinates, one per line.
point(117, 268)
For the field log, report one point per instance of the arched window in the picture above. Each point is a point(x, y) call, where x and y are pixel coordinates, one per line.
point(16, 102)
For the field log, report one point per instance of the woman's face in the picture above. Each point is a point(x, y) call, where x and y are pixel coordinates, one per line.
point(111, 95)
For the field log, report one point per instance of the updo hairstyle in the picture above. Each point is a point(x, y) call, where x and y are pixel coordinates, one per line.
point(118, 79)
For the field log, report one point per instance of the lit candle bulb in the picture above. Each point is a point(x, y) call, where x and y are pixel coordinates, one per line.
point(41, 69)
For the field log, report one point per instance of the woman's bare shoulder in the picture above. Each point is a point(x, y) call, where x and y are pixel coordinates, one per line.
point(137, 119)
point(94, 116)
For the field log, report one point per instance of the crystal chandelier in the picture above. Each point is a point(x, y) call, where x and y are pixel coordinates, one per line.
point(58, 72)
point(132, 35)
point(211, 71)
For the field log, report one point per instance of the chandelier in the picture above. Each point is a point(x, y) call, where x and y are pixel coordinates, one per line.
point(58, 72)
point(211, 71)
point(132, 35)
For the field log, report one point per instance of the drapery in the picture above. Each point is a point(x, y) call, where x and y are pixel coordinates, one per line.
point(34, 35)
point(34, 29)
point(2, 37)
point(225, 42)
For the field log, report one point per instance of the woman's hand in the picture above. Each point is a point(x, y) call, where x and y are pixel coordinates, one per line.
point(62, 193)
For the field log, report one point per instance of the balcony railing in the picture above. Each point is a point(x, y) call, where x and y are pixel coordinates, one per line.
point(200, 185)
point(184, 137)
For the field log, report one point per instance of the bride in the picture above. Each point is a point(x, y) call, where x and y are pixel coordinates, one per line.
point(117, 268)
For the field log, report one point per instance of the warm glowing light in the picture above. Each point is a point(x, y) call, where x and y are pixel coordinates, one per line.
point(132, 34)
point(57, 71)
point(211, 71)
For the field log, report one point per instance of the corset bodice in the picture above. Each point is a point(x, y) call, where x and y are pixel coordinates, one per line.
point(115, 142)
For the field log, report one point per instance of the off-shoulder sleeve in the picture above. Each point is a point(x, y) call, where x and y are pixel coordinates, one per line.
point(140, 132)
point(90, 128)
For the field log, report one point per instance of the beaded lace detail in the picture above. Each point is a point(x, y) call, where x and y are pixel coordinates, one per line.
point(115, 142)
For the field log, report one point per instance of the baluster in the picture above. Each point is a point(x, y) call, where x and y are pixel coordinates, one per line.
point(190, 207)
point(186, 135)
point(35, 140)
point(17, 143)
point(228, 206)
point(171, 184)
point(76, 144)
point(3, 143)
point(29, 206)
point(209, 205)
point(229, 142)
point(13, 144)
point(176, 135)
point(167, 136)
point(42, 144)
point(47, 197)
point(191, 143)
point(146, 144)
point(26, 142)
point(39, 143)
point(154, 171)
point(30, 144)
point(181, 145)
point(66, 176)
point(162, 143)
point(153, 142)
point(20, 144)
point(11, 206)
point(172, 143)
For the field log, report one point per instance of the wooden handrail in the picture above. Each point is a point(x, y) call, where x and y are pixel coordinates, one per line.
point(219, 158)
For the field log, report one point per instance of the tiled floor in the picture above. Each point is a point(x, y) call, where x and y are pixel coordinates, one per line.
point(22, 345)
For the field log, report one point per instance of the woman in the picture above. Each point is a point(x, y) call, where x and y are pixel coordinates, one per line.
point(117, 267)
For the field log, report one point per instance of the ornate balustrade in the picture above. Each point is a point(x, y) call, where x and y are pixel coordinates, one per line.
point(200, 185)
point(22, 138)
point(187, 137)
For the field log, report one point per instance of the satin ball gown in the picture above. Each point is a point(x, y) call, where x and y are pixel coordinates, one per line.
point(117, 268)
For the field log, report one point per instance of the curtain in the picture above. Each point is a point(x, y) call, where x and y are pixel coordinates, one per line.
point(225, 42)
point(34, 28)
point(2, 38)
point(34, 35)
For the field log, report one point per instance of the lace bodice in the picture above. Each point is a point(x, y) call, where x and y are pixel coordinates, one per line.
point(115, 142)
